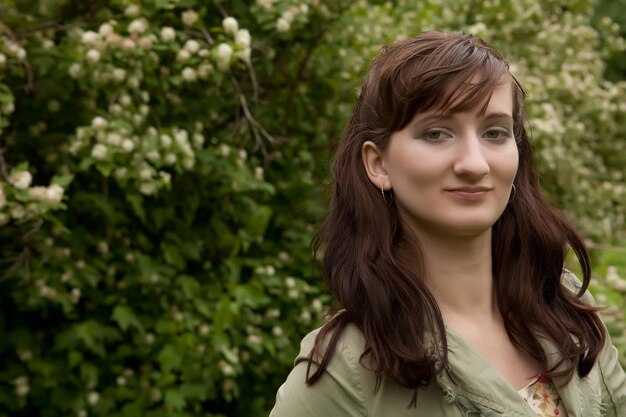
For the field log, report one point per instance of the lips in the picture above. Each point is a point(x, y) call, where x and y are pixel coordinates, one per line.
point(470, 189)
point(470, 193)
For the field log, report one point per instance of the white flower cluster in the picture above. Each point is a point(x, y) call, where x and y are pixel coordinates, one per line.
point(11, 49)
point(241, 40)
point(139, 159)
point(22, 385)
point(51, 195)
point(27, 206)
point(284, 22)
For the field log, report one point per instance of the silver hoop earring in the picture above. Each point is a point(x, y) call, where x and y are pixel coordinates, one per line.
point(382, 191)
point(513, 193)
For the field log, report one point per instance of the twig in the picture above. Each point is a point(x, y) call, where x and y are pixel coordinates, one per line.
point(4, 168)
point(256, 126)
point(32, 231)
point(30, 83)
point(610, 248)
point(255, 84)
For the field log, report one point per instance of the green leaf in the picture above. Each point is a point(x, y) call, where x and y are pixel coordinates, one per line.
point(125, 318)
point(62, 180)
point(170, 359)
point(174, 399)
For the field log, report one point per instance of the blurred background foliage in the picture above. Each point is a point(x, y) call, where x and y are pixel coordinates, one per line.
point(163, 167)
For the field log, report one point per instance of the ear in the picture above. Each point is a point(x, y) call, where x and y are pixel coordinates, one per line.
point(374, 163)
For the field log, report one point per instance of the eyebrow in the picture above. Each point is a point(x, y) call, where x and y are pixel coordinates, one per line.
point(449, 116)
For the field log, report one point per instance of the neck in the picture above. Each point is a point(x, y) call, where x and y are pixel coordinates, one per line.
point(459, 274)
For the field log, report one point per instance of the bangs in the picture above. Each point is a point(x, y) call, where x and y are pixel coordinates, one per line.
point(459, 91)
point(459, 74)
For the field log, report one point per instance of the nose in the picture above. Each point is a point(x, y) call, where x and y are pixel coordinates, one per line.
point(471, 160)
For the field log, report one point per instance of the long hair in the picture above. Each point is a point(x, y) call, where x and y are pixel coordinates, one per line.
point(369, 256)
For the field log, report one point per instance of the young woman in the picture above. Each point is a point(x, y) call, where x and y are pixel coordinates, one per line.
point(446, 259)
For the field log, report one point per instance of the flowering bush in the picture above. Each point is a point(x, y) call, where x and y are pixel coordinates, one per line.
point(161, 172)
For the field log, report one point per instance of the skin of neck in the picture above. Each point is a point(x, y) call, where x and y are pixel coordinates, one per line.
point(458, 272)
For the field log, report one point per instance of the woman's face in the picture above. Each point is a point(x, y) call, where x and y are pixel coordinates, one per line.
point(453, 173)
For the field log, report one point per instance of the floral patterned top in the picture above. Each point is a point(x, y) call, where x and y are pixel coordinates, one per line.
point(543, 398)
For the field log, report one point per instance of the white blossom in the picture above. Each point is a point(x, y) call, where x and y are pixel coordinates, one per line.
point(189, 17)
point(265, 4)
point(230, 25)
point(282, 25)
point(119, 74)
point(153, 155)
point(128, 145)
point(47, 44)
point(21, 179)
point(21, 54)
point(93, 55)
point(244, 54)
point(170, 159)
point(3, 60)
point(114, 139)
point(125, 100)
point(204, 70)
point(93, 397)
point(166, 177)
point(128, 44)
point(90, 38)
point(188, 163)
point(204, 329)
point(99, 151)
point(54, 193)
point(243, 38)
point(8, 108)
point(106, 29)
point(192, 46)
point(166, 140)
point(18, 212)
point(145, 42)
point(181, 137)
point(138, 26)
point(132, 10)
point(147, 188)
point(75, 295)
point(145, 173)
point(183, 55)
point(22, 390)
point(224, 55)
point(99, 123)
point(75, 69)
point(168, 34)
point(277, 331)
point(189, 74)
point(198, 139)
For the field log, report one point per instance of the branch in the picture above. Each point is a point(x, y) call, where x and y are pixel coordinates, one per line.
point(257, 129)
point(610, 248)
point(4, 167)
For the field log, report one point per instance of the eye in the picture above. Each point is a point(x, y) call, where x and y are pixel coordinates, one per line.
point(496, 134)
point(434, 135)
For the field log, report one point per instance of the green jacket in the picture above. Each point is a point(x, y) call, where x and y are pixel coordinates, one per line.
point(347, 388)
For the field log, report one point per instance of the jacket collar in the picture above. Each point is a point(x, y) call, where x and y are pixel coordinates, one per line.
point(473, 383)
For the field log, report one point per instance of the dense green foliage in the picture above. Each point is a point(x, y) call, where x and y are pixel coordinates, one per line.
point(162, 170)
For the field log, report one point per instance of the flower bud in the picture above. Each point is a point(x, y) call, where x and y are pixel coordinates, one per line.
point(230, 25)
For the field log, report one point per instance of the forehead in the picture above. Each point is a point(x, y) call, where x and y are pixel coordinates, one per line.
point(499, 101)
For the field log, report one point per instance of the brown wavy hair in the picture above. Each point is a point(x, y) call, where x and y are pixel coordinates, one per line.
point(369, 256)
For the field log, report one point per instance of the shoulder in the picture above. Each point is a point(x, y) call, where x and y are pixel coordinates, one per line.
point(573, 284)
point(350, 344)
point(339, 391)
